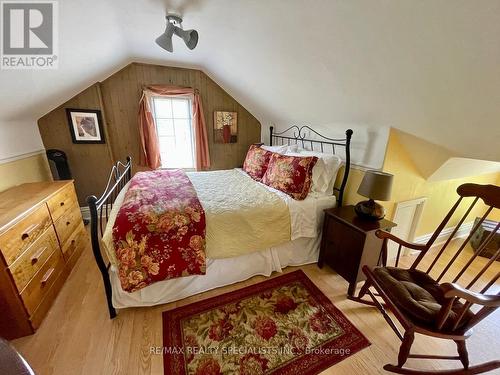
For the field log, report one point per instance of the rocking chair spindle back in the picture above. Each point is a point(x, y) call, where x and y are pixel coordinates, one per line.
point(460, 298)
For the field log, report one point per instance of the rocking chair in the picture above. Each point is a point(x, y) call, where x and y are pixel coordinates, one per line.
point(427, 304)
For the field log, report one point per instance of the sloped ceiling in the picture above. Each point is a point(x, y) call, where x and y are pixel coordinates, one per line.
point(429, 68)
point(436, 163)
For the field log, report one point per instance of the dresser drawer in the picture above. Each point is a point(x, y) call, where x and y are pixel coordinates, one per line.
point(63, 201)
point(67, 224)
point(17, 239)
point(40, 284)
point(33, 258)
point(48, 299)
point(77, 239)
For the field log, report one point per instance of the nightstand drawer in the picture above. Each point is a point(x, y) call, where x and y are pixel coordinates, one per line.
point(343, 251)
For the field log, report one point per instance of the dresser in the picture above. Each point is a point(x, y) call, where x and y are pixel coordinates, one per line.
point(41, 237)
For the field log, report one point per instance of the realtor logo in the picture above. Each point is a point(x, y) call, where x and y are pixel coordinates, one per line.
point(29, 34)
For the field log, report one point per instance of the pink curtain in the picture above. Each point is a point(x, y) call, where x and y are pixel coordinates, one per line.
point(150, 149)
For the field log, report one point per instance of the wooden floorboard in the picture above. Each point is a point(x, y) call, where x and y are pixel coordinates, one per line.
point(77, 336)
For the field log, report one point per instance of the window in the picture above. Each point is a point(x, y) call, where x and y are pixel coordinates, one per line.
point(175, 133)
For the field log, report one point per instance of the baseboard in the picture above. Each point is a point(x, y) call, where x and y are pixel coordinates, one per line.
point(85, 212)
point(463, 231)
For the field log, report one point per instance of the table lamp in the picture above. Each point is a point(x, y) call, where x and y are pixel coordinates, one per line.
point(376, 185)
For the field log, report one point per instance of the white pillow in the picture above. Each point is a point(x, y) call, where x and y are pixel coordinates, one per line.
point(278, 149)
point(282, 149)
point(324, 172)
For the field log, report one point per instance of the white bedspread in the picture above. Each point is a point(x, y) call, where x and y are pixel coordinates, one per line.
point(242, 216)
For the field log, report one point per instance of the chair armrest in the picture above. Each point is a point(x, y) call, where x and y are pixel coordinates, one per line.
point(386, 235)
point(453, 290)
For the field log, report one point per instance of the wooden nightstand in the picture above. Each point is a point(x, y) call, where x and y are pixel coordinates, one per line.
point(349, 243)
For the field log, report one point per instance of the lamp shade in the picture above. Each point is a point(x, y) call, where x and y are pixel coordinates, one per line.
point(376, 185)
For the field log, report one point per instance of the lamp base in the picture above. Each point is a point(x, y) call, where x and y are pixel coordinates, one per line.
point(370, 210)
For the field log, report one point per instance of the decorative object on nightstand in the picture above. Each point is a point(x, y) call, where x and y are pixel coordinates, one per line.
point(349, 243)
point(376, 185)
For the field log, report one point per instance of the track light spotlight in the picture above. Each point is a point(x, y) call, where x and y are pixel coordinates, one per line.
point(174, 26)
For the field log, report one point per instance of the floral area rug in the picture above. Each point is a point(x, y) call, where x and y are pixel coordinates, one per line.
point(284, 325)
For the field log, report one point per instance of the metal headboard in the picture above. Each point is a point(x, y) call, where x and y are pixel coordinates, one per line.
point(100, 209)
point(298, 137)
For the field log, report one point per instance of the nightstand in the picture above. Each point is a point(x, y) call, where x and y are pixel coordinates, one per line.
point(349, 243)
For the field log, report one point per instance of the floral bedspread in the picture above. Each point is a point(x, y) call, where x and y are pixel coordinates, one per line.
point(159, 232)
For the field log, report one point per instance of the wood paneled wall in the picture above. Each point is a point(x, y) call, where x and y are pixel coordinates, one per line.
point(118, 98)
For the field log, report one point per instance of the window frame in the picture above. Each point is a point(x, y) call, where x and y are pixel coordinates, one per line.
point(191, 129)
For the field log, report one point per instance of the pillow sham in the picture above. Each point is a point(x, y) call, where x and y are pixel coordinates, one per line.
point(256, 162)
point(290, 174)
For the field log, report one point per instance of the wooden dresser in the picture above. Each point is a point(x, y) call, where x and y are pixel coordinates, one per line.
point(41, 238)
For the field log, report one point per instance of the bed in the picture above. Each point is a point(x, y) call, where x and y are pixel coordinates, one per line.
point(226, 262)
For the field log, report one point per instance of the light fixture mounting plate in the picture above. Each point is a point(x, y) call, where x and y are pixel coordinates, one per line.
point(174, 18)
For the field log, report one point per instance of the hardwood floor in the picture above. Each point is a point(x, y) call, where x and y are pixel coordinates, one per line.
point(78, 338)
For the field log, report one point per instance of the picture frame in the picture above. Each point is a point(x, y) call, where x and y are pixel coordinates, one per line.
point(225, 127)
point(85, 125)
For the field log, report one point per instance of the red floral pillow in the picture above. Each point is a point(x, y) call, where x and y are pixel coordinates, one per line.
point(290, 174)
point(256, 162)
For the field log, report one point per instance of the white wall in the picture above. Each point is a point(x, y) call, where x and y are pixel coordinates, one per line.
point(18, 138)
point(368, 143)
point(428, 67)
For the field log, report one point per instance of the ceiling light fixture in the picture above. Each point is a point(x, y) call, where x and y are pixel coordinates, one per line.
point(174, 26)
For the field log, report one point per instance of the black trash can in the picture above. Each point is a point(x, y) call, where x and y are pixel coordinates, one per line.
point(59, 166)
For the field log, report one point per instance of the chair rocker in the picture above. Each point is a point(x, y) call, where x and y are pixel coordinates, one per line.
point(430, 305)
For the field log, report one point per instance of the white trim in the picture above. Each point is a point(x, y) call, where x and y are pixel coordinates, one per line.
point(21, 156)
point(419, 203)
point(463, 231)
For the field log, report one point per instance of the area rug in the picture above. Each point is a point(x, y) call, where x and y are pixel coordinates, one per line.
point(284, 325)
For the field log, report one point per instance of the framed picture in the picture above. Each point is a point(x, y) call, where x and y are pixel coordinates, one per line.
point(225, 127)
point(85, 125)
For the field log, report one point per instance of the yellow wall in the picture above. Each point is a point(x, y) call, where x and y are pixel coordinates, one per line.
point(409, 184)
point(355, 177)
point(30, 169)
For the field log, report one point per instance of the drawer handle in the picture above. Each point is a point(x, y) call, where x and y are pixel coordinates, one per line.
point(47, 276)
point(36, 257)
point(27, 231)
point(61, 204)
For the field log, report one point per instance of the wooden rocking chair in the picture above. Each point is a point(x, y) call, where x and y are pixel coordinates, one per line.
point(427, 304)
